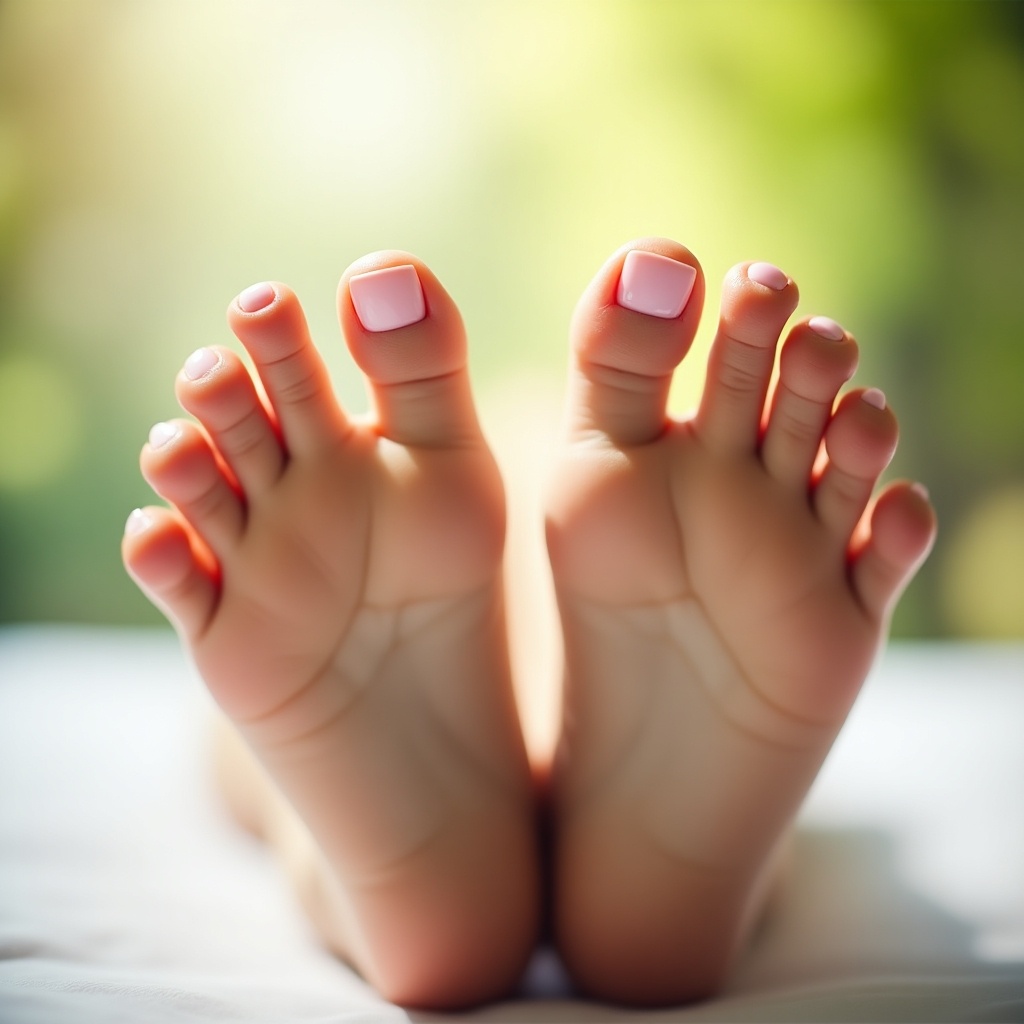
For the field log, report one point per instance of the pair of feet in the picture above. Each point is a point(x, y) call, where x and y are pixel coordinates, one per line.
point(724, 583)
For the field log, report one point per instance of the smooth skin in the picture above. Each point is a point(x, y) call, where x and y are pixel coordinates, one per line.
point(724, 583)
point(724, 587)
point(339, 586)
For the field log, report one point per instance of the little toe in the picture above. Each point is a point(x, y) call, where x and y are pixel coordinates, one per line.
point(181, 467)
point(631, 328)
point(900, 534)
point(860, 442)
point(269, 322)
point(171, 568)
point(216, 388)
point(817, 359)
point(406, 334)
point(757, 300)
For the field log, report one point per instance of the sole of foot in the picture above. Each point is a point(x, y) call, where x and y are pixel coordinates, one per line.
point(337, 581)
point(724, 582)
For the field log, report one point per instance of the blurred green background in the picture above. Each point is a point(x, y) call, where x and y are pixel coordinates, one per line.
point(156, 156)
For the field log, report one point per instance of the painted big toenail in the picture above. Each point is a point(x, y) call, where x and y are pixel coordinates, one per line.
point(388, 299)
point(161, 434)
point(654, 284)
point(256, 297)
point(138, 522)
point(827, 328)
point(874, 397)
point(200, 363)
point(767, 274)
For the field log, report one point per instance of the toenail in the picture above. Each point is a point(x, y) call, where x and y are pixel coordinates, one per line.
point(161, 434)
point(654, 284)
point(874, 397)
point(388, 299)
point(767, 274)
point(921, 491)
point(137, 522)
point(200, 363)
point(826, 327)
point(256, 297)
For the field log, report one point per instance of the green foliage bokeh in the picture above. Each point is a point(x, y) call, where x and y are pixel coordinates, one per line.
point(156, 157)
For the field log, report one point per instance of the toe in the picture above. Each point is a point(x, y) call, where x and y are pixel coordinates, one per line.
point(407, 336)
point(216, 388)
point(171, 568)
point(181, 467)
point(817, 359)
point(269, 322)
point(899, 536)
point(757, 300)
point(860, 441)
point(631, 328)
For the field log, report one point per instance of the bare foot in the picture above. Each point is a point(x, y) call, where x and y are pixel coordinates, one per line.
point(724, 587)
point(338, 584)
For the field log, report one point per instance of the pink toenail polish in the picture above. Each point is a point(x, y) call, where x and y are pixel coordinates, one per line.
point(767, 274)
point(161, 434)
point(388, 299)
point(654, 284)
point(256, 297)
point(921, 491)
point(827, 328)
point(138, 522)
point(874, 397)
point(200, 363)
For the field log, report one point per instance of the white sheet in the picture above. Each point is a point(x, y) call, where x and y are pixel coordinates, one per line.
point(126, 894)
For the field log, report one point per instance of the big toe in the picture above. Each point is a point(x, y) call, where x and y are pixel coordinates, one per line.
point(632, 327)
point(406, 333)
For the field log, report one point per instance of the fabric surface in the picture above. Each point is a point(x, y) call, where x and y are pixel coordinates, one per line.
point(127, 894)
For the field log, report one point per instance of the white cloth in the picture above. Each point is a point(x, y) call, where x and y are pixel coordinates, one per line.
point(126, 893)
